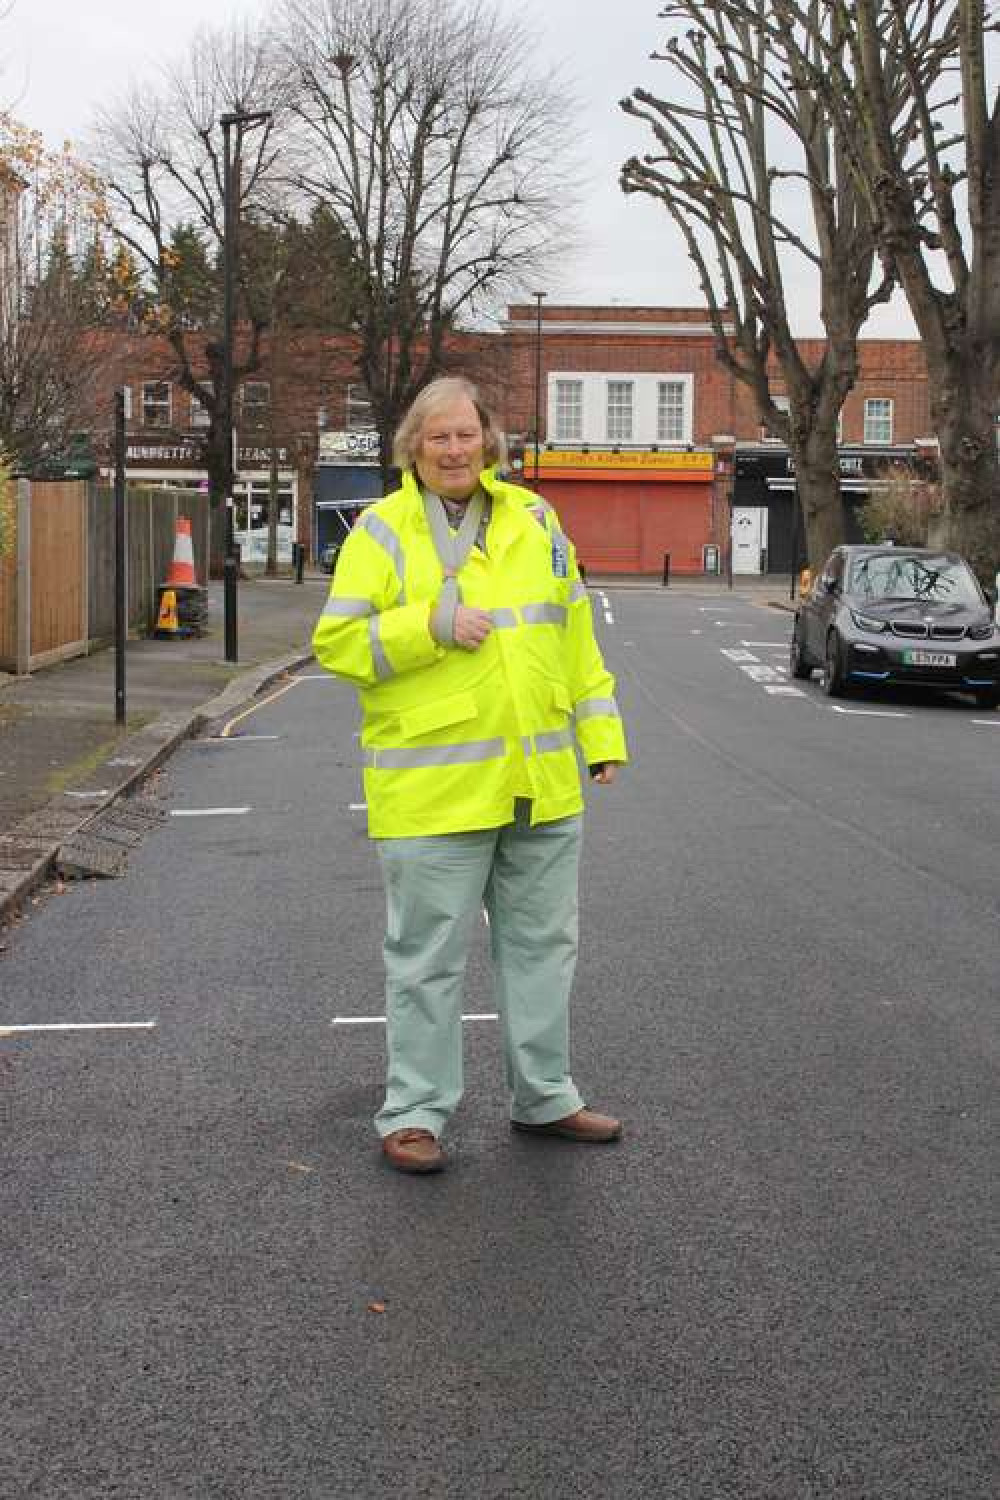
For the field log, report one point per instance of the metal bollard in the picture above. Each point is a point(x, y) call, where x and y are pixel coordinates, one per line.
point(298, 560)
point(666, 569)
point(230, 574)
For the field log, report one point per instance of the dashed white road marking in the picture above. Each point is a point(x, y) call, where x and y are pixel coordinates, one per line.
point(868, 713)
point(786, 690)
point(760, 673)
point(357, 807)
point(735, 653)
point(380, 1020)
point(237, 739)
point(90, 796)
point(19, 1029)
point(208, 812)
point(769, 645)
point(986, 723)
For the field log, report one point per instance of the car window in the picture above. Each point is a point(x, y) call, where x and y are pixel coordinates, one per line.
point(931, 579)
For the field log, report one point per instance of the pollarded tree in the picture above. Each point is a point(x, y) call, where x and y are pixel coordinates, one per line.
point(161, 155)
point(754, 175)
point(934, 193)
point(425, 132)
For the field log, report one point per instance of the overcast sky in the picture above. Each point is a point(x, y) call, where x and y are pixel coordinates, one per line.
point(60, 59)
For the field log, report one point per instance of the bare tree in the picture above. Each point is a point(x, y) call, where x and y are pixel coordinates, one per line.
point(934, 192)
point(161, 155)
point(424, 129)
point(753, 174)
point(49, 207)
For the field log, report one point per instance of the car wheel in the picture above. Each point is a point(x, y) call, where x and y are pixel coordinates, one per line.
point(988, 698)
point(834, 681)
point(797, 664)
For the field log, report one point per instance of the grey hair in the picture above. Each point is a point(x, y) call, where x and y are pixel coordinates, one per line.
point(434, 395)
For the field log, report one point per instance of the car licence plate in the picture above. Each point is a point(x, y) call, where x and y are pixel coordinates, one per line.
point(929, 658)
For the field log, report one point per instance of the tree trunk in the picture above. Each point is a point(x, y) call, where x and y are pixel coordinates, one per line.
point(817, 477)
point(962, 404)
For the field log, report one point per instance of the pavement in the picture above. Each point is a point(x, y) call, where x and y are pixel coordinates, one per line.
point(64, 759)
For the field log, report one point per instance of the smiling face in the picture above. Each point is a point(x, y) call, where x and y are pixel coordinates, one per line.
point(450, 452)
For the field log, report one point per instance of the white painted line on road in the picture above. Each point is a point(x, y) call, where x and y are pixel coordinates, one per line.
point(734, 653)
point(697, 632)
point(986, 723)
point(760, 673)
point(314, 677)
point(125, 760)
point(867, 713)
point(208, 812)
point(786, 691)
point(90, 796)
point(380, 1020)
point(609, 618)
point(357, 807)
point(19, 1029)
point(770, 645)
point(237, 739)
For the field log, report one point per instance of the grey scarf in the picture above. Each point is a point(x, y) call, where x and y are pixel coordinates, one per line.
point(452, 548)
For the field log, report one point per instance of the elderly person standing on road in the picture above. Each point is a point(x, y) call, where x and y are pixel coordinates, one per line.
point(457, 609)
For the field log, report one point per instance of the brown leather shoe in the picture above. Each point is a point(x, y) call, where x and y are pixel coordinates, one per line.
point(413, 1150)
point(585, 1125)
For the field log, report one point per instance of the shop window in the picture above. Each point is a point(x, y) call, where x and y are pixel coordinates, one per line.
point(198, 417)
point(569, 411)
point(357, 409)
point(619, 411)
point(156, 403)
point(878, 420)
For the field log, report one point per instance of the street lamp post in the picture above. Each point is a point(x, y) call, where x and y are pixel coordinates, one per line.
point(230, 221)
point(539, 298)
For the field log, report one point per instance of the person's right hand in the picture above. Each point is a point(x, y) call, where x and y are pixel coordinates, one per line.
point(471, 627)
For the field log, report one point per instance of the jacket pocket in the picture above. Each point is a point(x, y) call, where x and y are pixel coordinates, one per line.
point(459, 708)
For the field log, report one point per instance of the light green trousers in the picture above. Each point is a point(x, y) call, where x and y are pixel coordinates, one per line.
point(436, 888)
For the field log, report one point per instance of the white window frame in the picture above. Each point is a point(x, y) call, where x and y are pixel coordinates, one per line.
point(357, 408)
point(564, 431)
point(882, 434)
point(150, 405)
point(645, 400)
point(665, 409)
point(617, 408)
point(198, 418)
point(256, 410)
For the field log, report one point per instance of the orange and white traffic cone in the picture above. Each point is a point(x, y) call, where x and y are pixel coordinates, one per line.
point(180, 573)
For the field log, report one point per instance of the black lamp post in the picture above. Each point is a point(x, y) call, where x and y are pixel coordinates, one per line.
point(539, 298)
point(230, 220)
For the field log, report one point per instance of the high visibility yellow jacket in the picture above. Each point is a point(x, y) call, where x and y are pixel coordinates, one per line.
point(452, 737)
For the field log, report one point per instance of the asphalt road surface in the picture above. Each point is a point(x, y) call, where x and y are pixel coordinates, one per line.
point(779, 1286)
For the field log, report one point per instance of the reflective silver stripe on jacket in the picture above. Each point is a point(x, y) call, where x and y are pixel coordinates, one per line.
point(389, 542)
point(381, 663)
point(553, 739)
point(529, 614)
point(349, 609)
point(597, 708)
point(377, 759)
point(577, 592)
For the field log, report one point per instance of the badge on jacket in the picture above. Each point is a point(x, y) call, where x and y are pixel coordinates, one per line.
point(560, 556)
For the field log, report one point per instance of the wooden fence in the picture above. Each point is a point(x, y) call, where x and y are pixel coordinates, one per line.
point(57, 574)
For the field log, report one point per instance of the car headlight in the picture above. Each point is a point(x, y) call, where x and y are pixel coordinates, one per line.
point(868, 622)
point(980, 632)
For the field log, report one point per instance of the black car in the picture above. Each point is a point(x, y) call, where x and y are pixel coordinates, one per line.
point(908, 616)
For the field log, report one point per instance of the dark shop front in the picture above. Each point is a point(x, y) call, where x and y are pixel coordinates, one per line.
point(766, 502)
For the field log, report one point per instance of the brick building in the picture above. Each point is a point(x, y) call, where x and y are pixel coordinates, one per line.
point(646, 445)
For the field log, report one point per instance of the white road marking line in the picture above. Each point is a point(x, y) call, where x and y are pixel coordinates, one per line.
point(236, 739)
point(609, 618)
point(357, 807)
point(125, 760)
point(790, 692)
point(734, 653)
point(775, 645)
point(987, 723)
point(697, 632)
point(380, 1020)
point(759, 673)
point(314, 677)
point(90, 796)
point(19, 1029)
point(867, 713)
point(208, 812)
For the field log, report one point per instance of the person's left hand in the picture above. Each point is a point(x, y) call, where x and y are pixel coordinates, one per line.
point(606, 774)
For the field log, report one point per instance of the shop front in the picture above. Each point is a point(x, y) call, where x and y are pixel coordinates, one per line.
point(348, 478)
point(177, 463)
point(630, 510)
point(768, 535)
